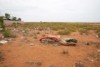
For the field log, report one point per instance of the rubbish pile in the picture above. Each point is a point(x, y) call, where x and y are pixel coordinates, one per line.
point(68, 41)
point(94, 56)
point(3, 41)
point(58, 39)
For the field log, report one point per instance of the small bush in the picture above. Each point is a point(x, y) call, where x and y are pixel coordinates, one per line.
point(64, 32)
point(38, 32)
point(53, 65)
point(34, 63)
point(97, 30)
point(78, 64)
point(98, 35)
point(83, 31)
point(38, 63)
point(1, 56)
point(65, 51)
point(7, 33)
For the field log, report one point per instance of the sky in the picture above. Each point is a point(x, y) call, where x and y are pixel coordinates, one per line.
point(53, 10)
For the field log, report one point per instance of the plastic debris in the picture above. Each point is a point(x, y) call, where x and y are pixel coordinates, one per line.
point(3, 41)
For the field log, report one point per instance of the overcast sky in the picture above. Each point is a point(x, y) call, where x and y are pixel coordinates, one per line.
point(53, 10)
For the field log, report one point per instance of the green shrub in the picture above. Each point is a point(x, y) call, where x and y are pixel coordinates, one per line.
point(97, 30)
point(7, 33)
point(98, 34)
point(82, 30)
point(64, 32)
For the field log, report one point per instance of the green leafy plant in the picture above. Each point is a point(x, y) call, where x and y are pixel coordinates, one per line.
point(7, 33)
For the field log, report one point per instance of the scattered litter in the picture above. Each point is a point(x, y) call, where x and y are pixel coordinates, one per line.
point(33, 63)
point(8, 39)
point(53, 65)
point(68, 41)
point(3, 42)
point(98, 55)
point(50, 39)
point(31, 44)
point(98, 51)
point(97, 36)
point(79, 64)
point(90, 59)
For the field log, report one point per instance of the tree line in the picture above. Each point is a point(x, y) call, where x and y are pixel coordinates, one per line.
point(8, 17)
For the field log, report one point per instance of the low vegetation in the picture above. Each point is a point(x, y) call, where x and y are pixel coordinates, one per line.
point(65, 51)
point(34, 63)
point(7, 33)
point(81, 27)
point(99, 34)
point(53, 65)
point(64, 32)
point(83, 31)
point(1, 56)
point(79, 64)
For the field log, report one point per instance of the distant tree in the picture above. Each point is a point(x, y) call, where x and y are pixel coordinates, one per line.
point(14, 18)
point(7, 16)
point(19, 19)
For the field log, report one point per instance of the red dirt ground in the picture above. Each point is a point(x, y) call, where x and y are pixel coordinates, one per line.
point(21, 53)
